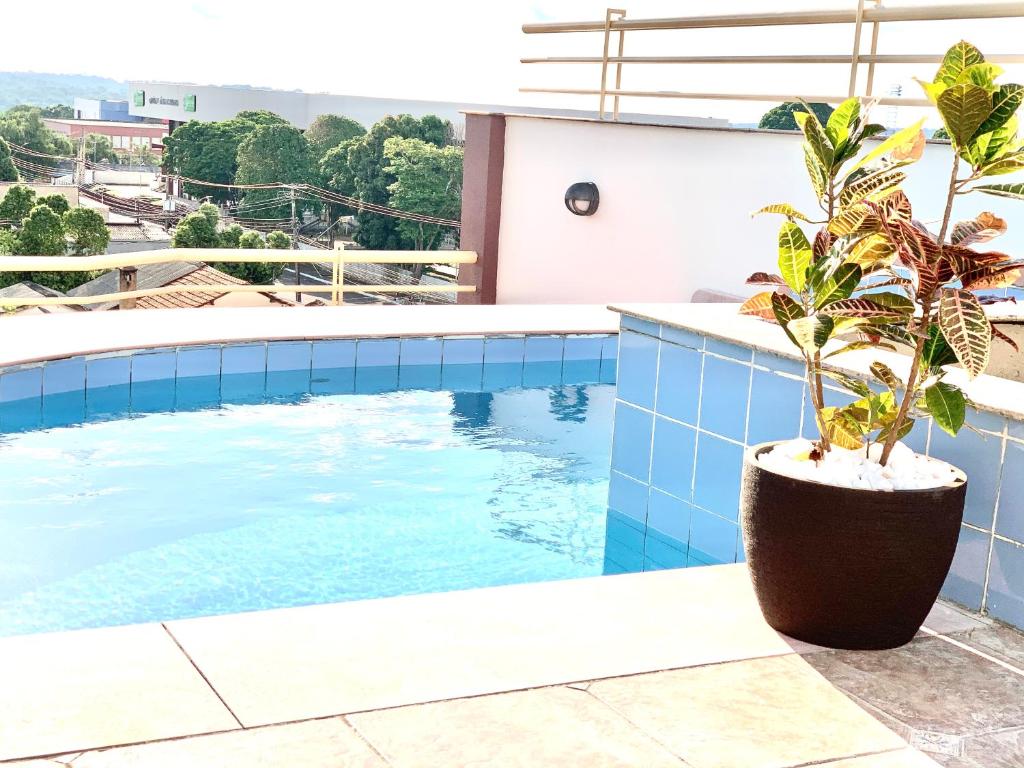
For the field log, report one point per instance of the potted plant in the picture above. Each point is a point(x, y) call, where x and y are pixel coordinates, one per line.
point(849, 537)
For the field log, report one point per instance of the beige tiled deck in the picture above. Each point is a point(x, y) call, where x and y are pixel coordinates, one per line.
point(672, 668)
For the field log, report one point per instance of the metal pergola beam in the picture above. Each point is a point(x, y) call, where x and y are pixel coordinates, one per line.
point(973, 10)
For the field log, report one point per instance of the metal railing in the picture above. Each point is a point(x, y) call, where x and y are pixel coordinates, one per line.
point(615, 22)
point(126, 262)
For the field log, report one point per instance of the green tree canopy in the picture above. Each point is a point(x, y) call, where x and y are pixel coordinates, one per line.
point(328, 131)
point(55, 202)
point(428, 180)
point(24, 126)
point(86, 232)
point(358, 168)
point(8, 243)
point(272, 153)
point(8, 172)
point(278, 239)
point(251, 240)
point(42, 233)
point(99, 148)
point(941, 133)
point(59, 111)
point(195, 231)
point(211, 212)
point(781, 118)
point(204, 151)
point(209, 151)
point(256, 273)
point(229, 236)
point(17, 203)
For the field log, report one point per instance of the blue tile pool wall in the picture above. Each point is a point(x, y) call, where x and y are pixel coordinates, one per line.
point(68, 391)
point(687, 406)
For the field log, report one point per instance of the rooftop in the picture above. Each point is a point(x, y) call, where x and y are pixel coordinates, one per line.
point(105, 123)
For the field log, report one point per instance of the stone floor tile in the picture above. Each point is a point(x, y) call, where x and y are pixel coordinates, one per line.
point(309, 744)
point(996, 750)
point(98, 687)
point(946, 619)
point(763, 713)
point(317, 661)
point(929, 685)
point(543, 727)
point(901, 758)
point(999, 641)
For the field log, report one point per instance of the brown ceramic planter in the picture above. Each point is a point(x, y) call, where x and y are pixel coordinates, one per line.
point(844, 567)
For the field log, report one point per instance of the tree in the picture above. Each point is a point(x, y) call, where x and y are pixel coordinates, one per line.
point(251, 240)
point(203, 151)
point(230, 236)
point(257, 273)
point(358, 168)
point(781, 118)
point(42, 233)
point(428, 180)
point(211, 212)
point(87, 233)
point(8, 172)
point(99, 148)
point(56, 203)
point(208, 151)
point(195, 231)
point(272, 153)
point(58, 111)
point(278, 239)
point(942, 133)
point(24, 126)
point(142, 155)
point(17, 203)
point(328, 131)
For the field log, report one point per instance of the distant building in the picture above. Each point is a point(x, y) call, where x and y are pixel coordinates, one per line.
point(141, 236)
point(180, 102)
point(124, 136)
point(103, 109)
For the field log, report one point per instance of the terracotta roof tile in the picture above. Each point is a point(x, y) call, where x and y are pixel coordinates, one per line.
point(205, 275)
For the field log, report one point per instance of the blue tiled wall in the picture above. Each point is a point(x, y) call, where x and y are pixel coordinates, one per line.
point(688, 405)
point(71, 390)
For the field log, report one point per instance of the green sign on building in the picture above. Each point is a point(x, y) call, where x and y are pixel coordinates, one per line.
point(140, 98)
point(190, 102)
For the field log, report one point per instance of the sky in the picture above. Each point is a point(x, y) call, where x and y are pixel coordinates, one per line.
point(458, 50)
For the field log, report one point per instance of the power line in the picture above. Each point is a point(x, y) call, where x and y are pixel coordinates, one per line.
point(318, 193)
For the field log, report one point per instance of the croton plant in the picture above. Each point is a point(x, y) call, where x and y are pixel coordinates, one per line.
point(873, 276)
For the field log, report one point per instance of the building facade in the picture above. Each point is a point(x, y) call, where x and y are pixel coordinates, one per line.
point(124, 136)
point(180, 102)
point(103, 109)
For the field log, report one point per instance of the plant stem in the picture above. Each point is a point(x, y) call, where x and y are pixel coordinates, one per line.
point(816, 392)
point(814, 383)
point(922, 325)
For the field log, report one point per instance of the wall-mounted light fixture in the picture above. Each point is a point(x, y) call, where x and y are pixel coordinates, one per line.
point(582, 198)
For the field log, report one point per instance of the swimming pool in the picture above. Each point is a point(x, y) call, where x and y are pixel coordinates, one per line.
point(142, 498)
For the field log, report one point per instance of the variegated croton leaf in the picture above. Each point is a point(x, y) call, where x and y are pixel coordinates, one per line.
point(964, 325)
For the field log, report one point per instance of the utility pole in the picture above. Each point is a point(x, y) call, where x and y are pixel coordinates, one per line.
point(295, 247)
point(80, 163)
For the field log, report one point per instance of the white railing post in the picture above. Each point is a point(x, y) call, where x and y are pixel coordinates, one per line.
point(604, 60)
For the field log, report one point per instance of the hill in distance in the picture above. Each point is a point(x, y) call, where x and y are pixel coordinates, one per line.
point(43, 89)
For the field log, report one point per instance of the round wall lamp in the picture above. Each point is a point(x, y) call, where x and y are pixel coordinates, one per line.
point(582, 198)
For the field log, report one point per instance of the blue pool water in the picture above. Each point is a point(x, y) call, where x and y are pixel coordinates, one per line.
point(111, 515)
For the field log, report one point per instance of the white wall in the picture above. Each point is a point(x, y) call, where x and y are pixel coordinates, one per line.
point(675, 209)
